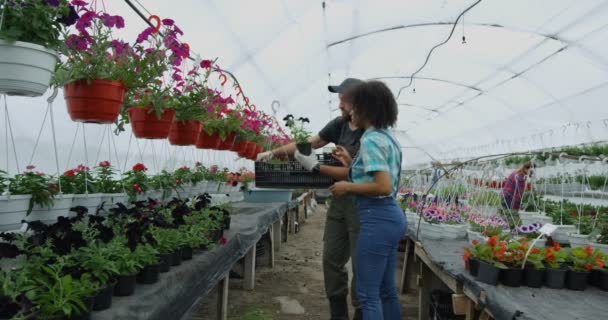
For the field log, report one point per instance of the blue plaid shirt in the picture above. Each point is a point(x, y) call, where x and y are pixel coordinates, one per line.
point(377, 153)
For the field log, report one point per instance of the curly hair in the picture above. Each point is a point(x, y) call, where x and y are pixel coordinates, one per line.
point(374, 102)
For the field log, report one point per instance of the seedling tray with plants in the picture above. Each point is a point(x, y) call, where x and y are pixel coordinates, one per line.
point(289, 174)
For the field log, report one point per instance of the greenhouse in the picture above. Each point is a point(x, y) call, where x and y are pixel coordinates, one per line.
point(298, 159)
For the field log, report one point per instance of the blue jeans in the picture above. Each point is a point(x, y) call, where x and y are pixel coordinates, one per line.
point(382, 224)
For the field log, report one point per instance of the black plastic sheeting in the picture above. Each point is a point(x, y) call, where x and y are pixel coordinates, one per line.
point(179, 289)
point(521, 303)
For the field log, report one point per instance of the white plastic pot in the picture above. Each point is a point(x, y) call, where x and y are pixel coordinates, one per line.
point(60, 208)
point(13, 209)
point(578, 240)
point(25, 68)
point(412, 219)
point(474, 235)
point(532, 217)
point(602, 247)
point(110, 200)
point(90, 201)
point(540, 243)
point(431, 231)
point(560, 235)
point(458, 231)
point(212, 187)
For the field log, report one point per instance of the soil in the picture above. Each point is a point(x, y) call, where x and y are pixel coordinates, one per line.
point(293, 289)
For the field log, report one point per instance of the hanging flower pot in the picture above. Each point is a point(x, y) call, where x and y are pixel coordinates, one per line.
point(237, 142)
point(206, 140)
point(98, 101)
point(250, 153)
point(240, 147)
point(145, 124)
point(25, 68)
point(259, 149)
point(13, 209)
point(228, 142)
point(184, 133)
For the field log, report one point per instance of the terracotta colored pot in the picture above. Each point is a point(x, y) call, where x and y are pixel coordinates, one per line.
point(184, 133)
point(207, 141)
point(147, 125)
point(251, 148)
point(240, 147)
point(228, 142)
point(96, 102)
point(259, 150)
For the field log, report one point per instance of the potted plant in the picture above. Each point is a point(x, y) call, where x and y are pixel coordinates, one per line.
point(582, 237)
point(189, 104)
point(220, 122)
point(82, 185)
point(431, 227)
point(99, 69)
point(29, 39)
point(299, 134)
point(555, 274)
point(164, 183)
point(534, 271)
point(127, 265)
point(111, 189)
point(512, 275)
point(601, 243)
point(148, 257)
point(136, 181)
point(489, 256)
point(531, 233)
point(97, 259)
point(45, 203)
point(580, 263)
point(471, 257)
point(150, 107)
point(168, 243)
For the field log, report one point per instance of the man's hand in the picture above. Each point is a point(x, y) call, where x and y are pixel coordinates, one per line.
point(264, 156)
point(308, 162)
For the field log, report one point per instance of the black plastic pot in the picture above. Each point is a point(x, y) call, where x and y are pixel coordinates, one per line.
point(304, 148)
point(473, 267)
point(594, 278)
point(149, 274)
point(103, 298)
point(227, 220)
point(7, 308)
point(176, 259)
point(165, 261)
point(604, 280)
point(488, 273)
point(85, 315)
point(125, 285)
point(186, 253)
point(576, 280)
point(533, 277)
point(555, 278)
point(512, 277)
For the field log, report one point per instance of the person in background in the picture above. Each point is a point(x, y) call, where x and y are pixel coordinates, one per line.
point(342, 223)
point(514, 185)
point(373, 177)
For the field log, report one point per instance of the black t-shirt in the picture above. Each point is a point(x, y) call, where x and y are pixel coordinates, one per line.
point(339, 132)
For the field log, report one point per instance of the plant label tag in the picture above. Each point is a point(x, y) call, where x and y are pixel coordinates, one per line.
point(548, 229)
point(23, 227)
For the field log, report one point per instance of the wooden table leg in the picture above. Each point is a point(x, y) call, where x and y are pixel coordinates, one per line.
point(222, 298)
point(470, 310)
point(277, 235)
point(404, 272)
point(249, 274)
point(424, 292)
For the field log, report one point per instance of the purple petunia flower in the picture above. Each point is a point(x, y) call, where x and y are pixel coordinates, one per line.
point(168, 22)
point(144, 35)
point(71, 18)
point(52, 3)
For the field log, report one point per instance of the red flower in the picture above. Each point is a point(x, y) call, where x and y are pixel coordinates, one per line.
point(556, 246)
point(198, 163)
point(206, 64)
point(534, 251)
point(475, 242)
point(69, 173)
point(137, 188)
point(54, 186)
point(588, 267)
point(492, 241)
point(30, 167)
point(223, 241)
point(178, 182)
point(104, 164)
point(81, 168)
point(589, 250)
point(139, 167)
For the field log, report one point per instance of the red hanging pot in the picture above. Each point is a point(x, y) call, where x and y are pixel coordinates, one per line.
point(251, 147)
point(259, 149)
point(145, 124)
point(96, 102)
point(206, 140)
point(227, 143)
point(184, 133)
point(240, 147)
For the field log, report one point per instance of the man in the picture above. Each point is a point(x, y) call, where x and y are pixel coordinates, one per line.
point(342, 224)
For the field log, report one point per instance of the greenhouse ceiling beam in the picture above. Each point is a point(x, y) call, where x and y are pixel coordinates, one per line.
point(459, 84)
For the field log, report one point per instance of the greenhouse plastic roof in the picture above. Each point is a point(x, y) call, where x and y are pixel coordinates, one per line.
point(532, 74)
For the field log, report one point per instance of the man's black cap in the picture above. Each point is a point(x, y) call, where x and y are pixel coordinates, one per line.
point(345, 85)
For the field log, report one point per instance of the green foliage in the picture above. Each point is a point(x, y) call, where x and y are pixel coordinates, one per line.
point(36, 184)
point(98, 260)
point(299, 134)
point(485, 198)
point(167, 240)
point(125, 260)
point(34, 21)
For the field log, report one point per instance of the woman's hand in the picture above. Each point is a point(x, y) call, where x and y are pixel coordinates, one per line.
point(340, 188)
point(342, 155)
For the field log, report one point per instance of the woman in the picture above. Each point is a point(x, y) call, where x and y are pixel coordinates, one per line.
point(374, 177)
point(514, 186)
